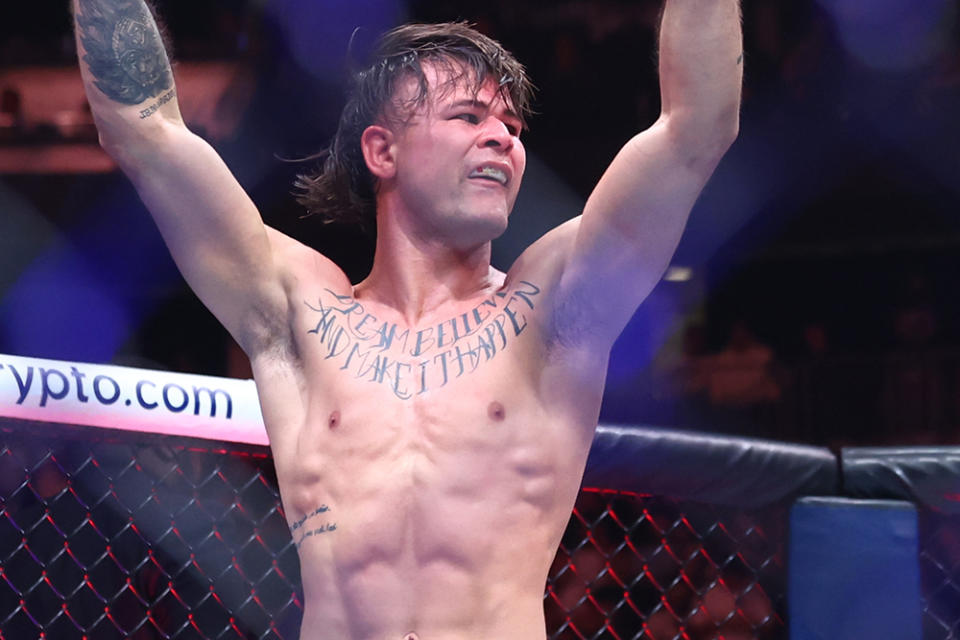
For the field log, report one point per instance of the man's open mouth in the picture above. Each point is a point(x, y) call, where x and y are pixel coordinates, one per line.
point(490, 173)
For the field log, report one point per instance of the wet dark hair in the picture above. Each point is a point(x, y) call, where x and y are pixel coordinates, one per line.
point(342, 189)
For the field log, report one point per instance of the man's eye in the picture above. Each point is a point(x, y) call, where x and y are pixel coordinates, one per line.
point(468, 117)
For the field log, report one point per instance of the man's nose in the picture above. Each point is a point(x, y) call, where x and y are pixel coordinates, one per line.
point(495, 134)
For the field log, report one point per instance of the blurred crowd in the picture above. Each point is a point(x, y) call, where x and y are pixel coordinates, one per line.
point(897, 382)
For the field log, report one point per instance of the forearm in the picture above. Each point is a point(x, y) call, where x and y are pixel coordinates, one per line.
point(701, 68)
point(125, 69)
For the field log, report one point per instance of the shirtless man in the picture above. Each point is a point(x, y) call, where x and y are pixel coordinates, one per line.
point(429, 425)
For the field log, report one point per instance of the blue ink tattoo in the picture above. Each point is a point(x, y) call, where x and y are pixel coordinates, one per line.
point(314, 531)
point(419, 359)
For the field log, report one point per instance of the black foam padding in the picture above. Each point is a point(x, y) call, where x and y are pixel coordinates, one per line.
point(721, 470)
point(929, 476)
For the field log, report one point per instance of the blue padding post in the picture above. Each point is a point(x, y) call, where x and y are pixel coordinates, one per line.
point(853, 570)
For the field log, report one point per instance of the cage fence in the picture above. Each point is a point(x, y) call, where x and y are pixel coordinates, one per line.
point(940, 574)
point(107, 535)
point(649, 567)
point(118, 535)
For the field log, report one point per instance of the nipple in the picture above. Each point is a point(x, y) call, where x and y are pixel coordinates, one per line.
point(334, 420)
point(496, 412)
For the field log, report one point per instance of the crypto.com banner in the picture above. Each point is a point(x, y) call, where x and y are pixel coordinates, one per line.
point(131, 399)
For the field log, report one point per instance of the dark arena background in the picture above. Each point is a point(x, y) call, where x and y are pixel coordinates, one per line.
point(797, 372)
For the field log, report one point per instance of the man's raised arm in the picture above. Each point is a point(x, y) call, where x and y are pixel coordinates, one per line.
point(634, 218)
point(211, 227)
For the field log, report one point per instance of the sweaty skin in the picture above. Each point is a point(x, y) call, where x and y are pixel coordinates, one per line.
point(448, 505)
point(429, 425)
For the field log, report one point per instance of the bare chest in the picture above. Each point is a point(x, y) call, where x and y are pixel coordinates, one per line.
point(349, 341)
point(463, 385)
point(486, 424)
point(425, 481)
point(416, 442)
point(451, 409)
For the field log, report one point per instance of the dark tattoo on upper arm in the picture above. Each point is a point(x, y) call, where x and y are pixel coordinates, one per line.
point(124, 50)
point(419, 359)
point(740, 59)
point(301, 530)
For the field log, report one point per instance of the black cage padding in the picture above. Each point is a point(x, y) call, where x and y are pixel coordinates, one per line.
point(929, 476)
point(720, 470)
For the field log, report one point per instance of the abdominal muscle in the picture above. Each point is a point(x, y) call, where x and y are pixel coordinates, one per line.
point(424, 511)
point(445, 521)
point(436, 601)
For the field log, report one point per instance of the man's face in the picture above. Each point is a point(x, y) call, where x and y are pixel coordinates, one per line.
point(459, 160)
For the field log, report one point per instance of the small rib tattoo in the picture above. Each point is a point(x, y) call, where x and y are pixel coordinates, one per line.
point(124, 50)
point(304, 529)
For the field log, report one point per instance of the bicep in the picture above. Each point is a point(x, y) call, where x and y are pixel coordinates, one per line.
point(629, 231)
point(211, 227)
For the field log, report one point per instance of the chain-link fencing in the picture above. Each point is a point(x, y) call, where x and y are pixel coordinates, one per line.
point(940, 574)
point(128, 536)
point(651, 568)
point(137, 537)
point(118, 535)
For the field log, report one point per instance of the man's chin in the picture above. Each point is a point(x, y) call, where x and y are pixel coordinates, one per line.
point(475, 230)
point(496, 224)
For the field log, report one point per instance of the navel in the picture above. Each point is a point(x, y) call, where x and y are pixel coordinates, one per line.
point(411, 636)
point(334, 420)
point(496, 412)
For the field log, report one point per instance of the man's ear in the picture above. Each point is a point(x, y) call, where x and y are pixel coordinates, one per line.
point(377, 146)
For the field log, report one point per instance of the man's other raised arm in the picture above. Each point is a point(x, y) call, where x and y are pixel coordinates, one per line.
point(635, 216)
point(213, 230)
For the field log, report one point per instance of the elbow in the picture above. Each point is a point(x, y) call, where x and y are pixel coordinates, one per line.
point(728, 127)
point(131, 144)
point(114, 134)
point(121, 149)
point(111, 144)
point(705, 139)
point(722, 140)
point(716, 135)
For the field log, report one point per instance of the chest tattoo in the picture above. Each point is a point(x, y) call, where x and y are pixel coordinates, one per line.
point(412, 361)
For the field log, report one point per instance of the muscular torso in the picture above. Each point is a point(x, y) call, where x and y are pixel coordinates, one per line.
point(427, 472)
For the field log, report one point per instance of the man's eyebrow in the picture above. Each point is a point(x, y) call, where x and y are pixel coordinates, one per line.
point(480, 104)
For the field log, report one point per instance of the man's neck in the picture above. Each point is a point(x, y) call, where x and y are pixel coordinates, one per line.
point(416, 277)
